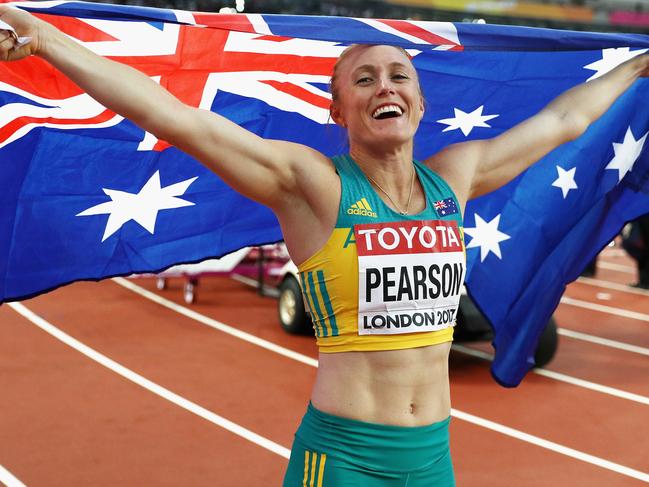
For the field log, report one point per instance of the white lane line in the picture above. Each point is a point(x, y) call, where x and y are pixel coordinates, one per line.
point(627, 269)
point(577, 335)
point(593, 386)
point(149, 385)
point(8, 479)
point(634, 315)
point(611, 391)
point(230, 330)
point(613, 285)
point(474, 353)
point(612, 252)
point(259, 341)
point(549, 445)
point(456, 413)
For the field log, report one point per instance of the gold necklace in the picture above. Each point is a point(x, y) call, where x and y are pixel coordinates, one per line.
point(412, 183)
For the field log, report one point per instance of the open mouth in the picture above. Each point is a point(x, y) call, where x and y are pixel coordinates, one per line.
point(387, 111)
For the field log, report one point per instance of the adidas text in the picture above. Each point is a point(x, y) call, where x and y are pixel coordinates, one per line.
point(358, 211)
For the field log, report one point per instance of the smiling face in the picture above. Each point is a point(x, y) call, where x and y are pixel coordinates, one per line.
point(376, 96)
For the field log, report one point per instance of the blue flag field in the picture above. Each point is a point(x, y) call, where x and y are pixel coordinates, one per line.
point(86, 194)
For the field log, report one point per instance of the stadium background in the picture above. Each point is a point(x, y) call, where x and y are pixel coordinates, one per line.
point(590, 15)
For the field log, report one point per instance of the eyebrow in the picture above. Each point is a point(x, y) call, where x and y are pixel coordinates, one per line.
point(371, 67)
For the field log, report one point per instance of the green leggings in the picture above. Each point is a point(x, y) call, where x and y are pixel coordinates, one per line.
point(330, 451)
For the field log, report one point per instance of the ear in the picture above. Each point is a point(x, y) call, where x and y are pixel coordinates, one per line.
point(336, 116)
point(422, 105)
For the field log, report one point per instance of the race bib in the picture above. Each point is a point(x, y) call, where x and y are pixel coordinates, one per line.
point(410, 276)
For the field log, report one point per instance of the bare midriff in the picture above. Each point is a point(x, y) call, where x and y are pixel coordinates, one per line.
point(395, 387)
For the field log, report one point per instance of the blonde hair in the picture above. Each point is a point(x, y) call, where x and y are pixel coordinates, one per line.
point(347, 52)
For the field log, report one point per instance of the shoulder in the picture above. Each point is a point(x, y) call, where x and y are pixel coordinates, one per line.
point(309, 211)
point(299, 155)
point(313, 179)
point(308, 168)
point(456, 165)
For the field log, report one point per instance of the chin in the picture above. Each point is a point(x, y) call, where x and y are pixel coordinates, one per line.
point(394, 135)
point(395, 128)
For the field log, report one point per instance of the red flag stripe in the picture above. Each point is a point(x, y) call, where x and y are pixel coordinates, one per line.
point(300, 93)
point(416, 31)
point(236, 22)
point(8, 130)
point(77, 28)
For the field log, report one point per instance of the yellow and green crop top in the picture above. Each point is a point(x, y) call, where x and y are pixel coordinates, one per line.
point(386, 281)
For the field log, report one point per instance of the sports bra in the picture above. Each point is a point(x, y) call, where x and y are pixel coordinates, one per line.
point(383, 280)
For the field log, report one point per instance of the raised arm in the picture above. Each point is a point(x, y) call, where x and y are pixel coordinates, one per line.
point(264, 170)
point(478, 167)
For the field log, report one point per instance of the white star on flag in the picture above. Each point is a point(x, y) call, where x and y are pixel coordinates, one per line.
point(486, 236)
point(466, 122)
point(611, 59)
point(566, 180)
point(626, 153)
point(142, 207)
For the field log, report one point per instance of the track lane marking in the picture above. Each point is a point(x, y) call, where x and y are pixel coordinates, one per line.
point(8, 479)
point(600, 462)
point(613, 285)
point(605, 342)
point(612, 252)
point(634, 315)
point(217, 325)
point(558, 376)
point(148, 384)
point(627, 269)
point(314, 363)
point(550, 445)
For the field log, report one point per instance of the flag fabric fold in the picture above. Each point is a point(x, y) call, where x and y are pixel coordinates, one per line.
point(89, 195)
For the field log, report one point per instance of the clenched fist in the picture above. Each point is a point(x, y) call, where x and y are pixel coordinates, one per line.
point(25, 26)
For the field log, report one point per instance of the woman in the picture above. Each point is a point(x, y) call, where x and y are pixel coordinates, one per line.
point(380, 406)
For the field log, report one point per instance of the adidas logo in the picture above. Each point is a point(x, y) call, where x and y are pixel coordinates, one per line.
point(361, 208)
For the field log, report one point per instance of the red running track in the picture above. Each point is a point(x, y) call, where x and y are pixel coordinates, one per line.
point(221, 409)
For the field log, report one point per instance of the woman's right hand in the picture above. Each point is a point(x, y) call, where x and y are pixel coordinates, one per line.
point(25, 25)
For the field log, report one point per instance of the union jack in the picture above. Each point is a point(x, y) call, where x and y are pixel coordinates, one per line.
point(439, 205)
point(237, 54)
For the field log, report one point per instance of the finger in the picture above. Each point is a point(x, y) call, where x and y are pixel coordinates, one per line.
point(7, 45)
point(5, 50)
point(8, 37)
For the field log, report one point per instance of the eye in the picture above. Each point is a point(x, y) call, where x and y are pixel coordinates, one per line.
point(400, 76)
point(363, 80)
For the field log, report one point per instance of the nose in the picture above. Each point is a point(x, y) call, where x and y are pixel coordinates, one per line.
point(384, 86)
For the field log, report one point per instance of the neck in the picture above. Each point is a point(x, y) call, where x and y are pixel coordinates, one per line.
point(392, 170)
point(392, 175)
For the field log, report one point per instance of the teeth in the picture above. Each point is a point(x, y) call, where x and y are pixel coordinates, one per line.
point(386, 109)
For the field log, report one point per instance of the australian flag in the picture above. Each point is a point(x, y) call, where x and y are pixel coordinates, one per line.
point(86, 194)
point(445, 207)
